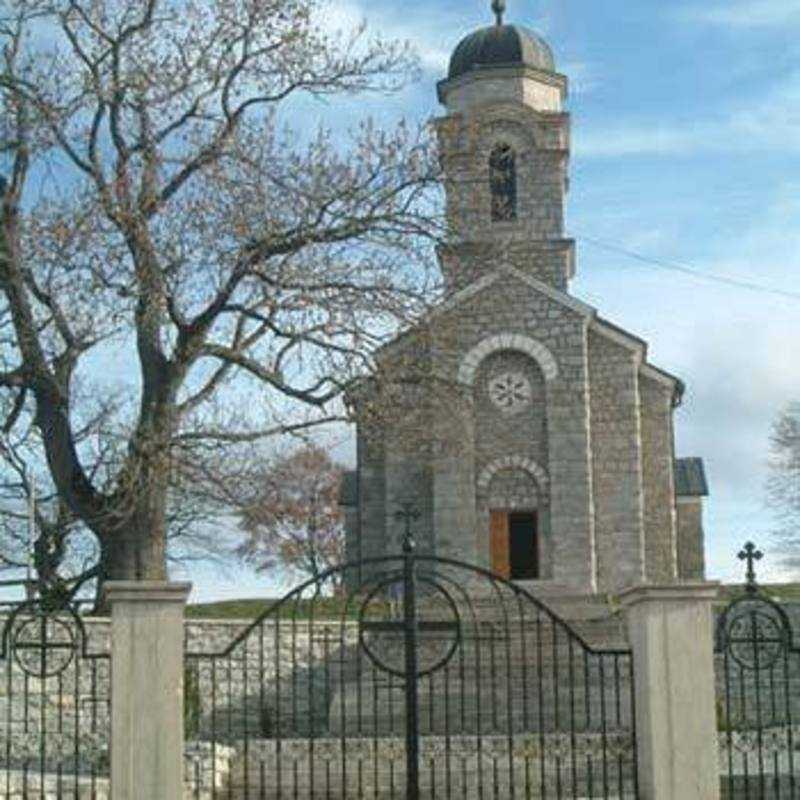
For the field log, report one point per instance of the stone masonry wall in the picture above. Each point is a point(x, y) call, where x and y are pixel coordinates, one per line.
point(508, 307)
point(616, 462)
point(541, 145)
point(512, 86)
point(550, 261)
point(658, 479)
point(521, 432)
point(416, 446)
point(371, 498)
point(453, 474)
point(691, 541)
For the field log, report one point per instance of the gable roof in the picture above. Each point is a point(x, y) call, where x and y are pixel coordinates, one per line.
point(476, 287)
point(462, 295)
point(690, 478)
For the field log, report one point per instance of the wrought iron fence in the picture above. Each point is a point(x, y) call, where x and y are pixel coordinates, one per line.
point(436, 679)
point(758, 686)
point(54, 707)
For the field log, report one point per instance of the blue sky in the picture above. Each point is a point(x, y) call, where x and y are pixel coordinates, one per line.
point(686, 148)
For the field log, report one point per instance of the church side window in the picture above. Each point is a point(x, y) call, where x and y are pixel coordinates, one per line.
point(503, 183)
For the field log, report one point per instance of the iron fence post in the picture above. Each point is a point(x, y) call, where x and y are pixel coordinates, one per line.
point(411, 668)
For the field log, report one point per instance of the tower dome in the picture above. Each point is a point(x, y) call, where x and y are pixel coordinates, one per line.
point(501, 46)
point(502, 63)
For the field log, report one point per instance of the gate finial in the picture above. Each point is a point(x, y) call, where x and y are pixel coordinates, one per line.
point(750, 554)
point(408, 513)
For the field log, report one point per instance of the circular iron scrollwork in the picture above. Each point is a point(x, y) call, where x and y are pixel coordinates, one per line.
point(43, 644)
point(756, 634)
point(383, 627)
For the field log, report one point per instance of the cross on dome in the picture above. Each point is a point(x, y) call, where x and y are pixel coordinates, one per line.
point(499, 8)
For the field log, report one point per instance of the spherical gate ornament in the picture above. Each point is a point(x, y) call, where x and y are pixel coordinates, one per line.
point(509, 391)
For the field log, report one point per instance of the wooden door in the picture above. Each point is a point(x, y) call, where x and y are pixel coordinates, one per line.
point(499, 543)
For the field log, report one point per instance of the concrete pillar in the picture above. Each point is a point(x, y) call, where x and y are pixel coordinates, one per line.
point(147, 689)
point(671, 634)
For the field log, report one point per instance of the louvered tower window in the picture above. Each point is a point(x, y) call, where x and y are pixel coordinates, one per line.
point(503, 183)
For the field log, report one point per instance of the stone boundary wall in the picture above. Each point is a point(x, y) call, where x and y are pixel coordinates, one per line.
point(209, 769)
point(211, 636)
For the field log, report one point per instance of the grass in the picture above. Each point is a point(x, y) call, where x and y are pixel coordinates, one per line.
point(250, 608)
point(332, 607)
point(781, 592)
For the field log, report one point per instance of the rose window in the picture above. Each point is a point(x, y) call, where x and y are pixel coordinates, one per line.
point(509, 391)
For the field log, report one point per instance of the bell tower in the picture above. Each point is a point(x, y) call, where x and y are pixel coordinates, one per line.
point(505, 148)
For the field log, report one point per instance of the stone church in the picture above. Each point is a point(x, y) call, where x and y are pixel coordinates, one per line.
point(553, 460)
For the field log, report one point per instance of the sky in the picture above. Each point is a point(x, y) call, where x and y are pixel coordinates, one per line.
point(686, 152)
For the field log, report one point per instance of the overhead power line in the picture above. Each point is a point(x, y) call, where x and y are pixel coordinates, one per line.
point(689, 270)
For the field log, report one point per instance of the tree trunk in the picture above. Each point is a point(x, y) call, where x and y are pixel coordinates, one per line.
point(135, 554)
point(137, 549)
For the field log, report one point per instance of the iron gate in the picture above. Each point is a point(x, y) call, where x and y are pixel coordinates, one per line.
point(503, 698)
point(758, 686)
point(54, 707)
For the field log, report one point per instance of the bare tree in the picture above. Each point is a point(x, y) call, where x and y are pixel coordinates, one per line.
point(224, 277)
point(293, 520)
point(38, 530)
point(783, 485)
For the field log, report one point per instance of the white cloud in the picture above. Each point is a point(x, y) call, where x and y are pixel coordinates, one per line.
point(770, 122)
point(431, 42)
point(742, 14)
point(583, 77)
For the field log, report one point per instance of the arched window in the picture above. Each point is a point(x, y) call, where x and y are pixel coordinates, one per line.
point(503, 183)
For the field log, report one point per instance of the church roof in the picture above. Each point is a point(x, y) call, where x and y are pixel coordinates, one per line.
point(501, 46)
point(690, 478)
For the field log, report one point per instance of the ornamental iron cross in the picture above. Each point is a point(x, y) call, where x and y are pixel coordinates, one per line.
point(751, 554)
point(499, 7)
point(407, 628)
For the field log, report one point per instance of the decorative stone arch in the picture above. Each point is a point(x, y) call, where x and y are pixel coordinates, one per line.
point(507, 128)
point(507, 341)
point(535, 470)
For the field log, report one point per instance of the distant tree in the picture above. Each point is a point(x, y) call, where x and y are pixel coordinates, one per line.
point(166, 240)
point(294, 520)
point(783, 485)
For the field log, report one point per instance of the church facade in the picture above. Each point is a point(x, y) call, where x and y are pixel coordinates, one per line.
point(548, 451)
